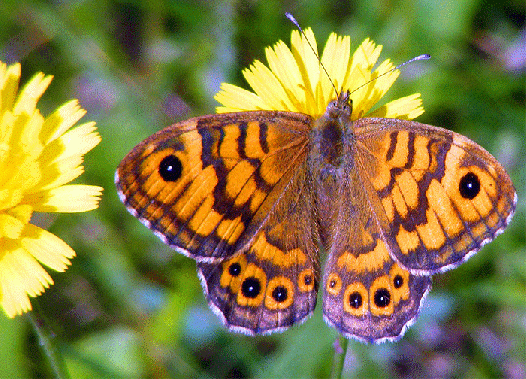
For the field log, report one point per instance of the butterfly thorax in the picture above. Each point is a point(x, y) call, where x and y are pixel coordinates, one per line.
point(332, 138)
point(330, 161)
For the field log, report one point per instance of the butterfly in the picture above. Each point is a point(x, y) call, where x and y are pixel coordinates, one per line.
point(257, 197)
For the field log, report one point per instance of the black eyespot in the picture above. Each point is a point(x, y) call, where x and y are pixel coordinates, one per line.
point(234, 269)
point(355, 300)
point(469, 186)
point(382, 297)
point(332, 283)
point(170, 168)
point(398, 281)
point(280, 294)
point(307, 280)
point(251, 287)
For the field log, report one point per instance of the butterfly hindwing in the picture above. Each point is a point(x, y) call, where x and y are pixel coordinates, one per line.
point(371, 304)
point(273, 284)
point(367, 295)
point(259, 296)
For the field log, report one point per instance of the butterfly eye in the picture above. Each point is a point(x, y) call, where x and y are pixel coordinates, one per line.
point(355, 300)
point(170, 168)
point(251, 287)
point(398, 281)
point(280, 294)
point(469, 186)
point(382, 298)
point(334, 284)
point(306, 281)
point(234, 269)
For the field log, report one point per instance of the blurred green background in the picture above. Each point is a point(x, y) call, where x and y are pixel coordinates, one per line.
point(131, 307)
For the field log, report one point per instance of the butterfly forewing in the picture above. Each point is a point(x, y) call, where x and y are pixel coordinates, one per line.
point(206, 185)
point(443, 195)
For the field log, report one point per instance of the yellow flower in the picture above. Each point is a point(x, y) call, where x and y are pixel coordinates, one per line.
point(38, 156)
point(294, 80)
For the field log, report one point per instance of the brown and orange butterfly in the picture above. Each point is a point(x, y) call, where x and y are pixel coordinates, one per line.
point(256, 197)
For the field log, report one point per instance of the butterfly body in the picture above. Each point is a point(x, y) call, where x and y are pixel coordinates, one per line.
point(257, 197)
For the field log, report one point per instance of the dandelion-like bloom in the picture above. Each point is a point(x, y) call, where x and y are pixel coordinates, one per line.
point(38, 156)
point(294, 80)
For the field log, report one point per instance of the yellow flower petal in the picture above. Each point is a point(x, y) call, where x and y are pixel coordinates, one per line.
point(284, 66)
point(61, 120)
point(8, 85)
point(31, 93)
point(335, 59)
point(20, 276)
point(22, 212)
point(267, 86)
point(63, 156)
point(60, 172)
point(38, 156)
point(67, 198)
point(295, 82)
point(9, 197)
point(10, 227)
point(308, 64)
point(47, 248)
point(405, 108)
point(236, 99)
point(18, 179)
point(25, 131)
point(79, 141)
point(7, 121)
point(363, 60)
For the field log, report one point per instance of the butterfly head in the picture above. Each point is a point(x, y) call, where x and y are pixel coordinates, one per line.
point(340, 110)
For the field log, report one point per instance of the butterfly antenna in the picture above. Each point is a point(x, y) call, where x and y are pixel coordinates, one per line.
point(422, 57)
point(293, 20)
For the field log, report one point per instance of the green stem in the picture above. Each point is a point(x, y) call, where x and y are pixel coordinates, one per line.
point(340, 351)
point(47, 346)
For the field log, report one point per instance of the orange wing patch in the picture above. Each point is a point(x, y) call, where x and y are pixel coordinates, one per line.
point(265, 251)
point(365, 262)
